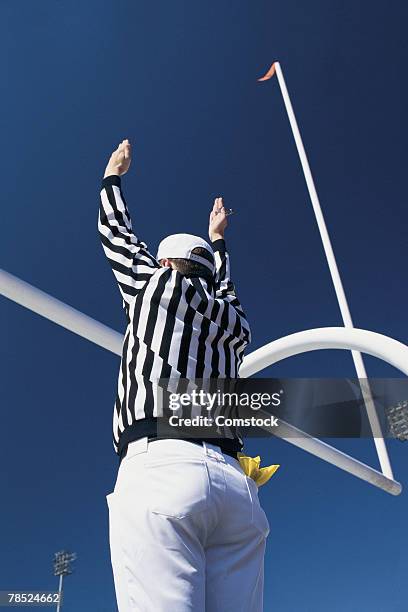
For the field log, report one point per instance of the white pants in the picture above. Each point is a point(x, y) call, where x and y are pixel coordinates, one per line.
point(187, 532)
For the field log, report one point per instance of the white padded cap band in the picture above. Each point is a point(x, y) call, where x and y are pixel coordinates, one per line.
point(181, 246)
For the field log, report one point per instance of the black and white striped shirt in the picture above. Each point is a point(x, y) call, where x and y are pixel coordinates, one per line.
point(177, 326)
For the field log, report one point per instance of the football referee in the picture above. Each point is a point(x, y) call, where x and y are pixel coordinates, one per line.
point(186, 529)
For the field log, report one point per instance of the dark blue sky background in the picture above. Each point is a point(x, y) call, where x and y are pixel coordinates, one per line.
point(179, 79)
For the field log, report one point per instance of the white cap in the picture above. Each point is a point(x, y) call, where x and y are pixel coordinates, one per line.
point(182, 245)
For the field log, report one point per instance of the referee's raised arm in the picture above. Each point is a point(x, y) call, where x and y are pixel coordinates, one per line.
point(224, 287)
point(216, 229)
point(130, 260)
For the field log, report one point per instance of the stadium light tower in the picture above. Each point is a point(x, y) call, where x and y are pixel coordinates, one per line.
point(397, 416)
point(62, 568)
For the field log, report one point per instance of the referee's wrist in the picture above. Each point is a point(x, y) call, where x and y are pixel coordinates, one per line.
point(218, 244)
point(111, 179)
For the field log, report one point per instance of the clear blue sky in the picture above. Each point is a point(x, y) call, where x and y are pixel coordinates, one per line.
point(179, 79)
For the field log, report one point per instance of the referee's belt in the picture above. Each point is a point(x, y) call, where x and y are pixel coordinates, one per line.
point(224, 449)
point(250, 465)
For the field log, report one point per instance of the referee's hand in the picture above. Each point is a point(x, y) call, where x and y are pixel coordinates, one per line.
point(120, 159)
point(218, 220)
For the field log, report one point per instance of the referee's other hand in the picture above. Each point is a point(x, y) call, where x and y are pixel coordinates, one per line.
point(120, 159)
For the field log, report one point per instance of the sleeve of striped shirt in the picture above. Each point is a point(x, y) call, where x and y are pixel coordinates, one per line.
point(225, 288)
point(223, 283)
point(131, 262)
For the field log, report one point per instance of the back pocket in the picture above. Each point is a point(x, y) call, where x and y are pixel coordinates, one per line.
point(177, 487)
point(259, 519)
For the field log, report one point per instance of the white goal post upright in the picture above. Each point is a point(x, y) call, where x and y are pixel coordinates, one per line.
point(334, 271)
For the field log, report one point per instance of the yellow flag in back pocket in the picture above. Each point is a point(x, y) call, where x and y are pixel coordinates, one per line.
point(251, 467)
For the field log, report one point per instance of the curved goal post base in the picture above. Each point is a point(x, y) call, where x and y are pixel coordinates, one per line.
point(393, 352)
point(372, 343)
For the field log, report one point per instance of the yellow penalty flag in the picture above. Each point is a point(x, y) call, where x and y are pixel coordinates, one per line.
point(251, 467)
